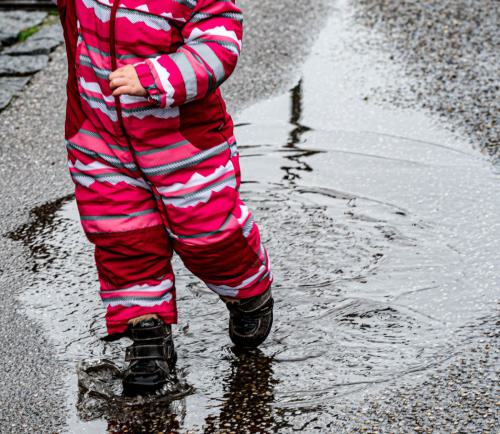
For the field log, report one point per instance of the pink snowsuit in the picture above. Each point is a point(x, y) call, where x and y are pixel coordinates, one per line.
point(159, 173)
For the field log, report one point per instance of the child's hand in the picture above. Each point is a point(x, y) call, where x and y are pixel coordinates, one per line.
point(124, 81)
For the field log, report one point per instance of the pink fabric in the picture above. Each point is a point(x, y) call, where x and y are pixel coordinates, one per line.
point(158, 173)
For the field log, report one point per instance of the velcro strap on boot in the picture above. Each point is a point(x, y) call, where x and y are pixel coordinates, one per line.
point(252, 307)
point(149, 333)
point(144, 352)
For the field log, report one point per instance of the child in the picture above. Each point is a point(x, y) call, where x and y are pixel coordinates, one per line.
point(155, 165)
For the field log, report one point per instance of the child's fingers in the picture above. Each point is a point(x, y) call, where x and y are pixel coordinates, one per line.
point(119, 81)
point(124, 90)
point(124, 71)
point(115, 74)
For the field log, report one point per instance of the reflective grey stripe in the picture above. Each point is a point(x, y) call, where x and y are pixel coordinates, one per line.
point(201, 16)
point(137, 301)
point(135, 16)
point(87, 180)
point(189, 3)
point(136, 297)
point(163, 148)
point(191, 199)
point(119, 216)
point(97, 136)
point(186, 162)
point(211, 59)
point(114, 161)
point(228, 45)
point(188, 75)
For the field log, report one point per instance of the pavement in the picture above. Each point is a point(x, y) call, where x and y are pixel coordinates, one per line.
point(26, 40)
point(451, 49)
point(33, 172)
point(461, 395)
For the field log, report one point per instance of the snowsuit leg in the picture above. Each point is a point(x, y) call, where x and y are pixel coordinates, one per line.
point(211, 228)
point(185, 193)
point(119, 215)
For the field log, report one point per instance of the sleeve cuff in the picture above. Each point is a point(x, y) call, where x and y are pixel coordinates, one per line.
point(147, 80)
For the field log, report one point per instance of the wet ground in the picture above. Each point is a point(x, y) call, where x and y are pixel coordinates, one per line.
point(383, 231)
point(454, 74)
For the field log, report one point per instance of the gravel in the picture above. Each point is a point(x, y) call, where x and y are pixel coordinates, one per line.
point(10, 86)
point(450, 49)
point(462, 396)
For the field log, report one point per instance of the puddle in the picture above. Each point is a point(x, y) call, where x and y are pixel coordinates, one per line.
point(384, 235)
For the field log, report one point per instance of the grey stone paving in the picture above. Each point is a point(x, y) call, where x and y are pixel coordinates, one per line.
point(19, 60)
point(22, 65)
point(12, 22)
point(42, 42)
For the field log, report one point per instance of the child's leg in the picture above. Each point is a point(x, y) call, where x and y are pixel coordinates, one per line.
point(120, 216)
point(212, 229)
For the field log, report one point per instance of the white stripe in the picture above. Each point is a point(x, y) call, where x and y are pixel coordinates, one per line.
point(214, 31)
point(152, 21)
point(245, 213)
point(112, 179)
point(232, 291)
point(198, 179)
point(95, 165)
point(162, 286)
point(94, 87)
point(101, 11)
point(164, 76)
point(199, 197)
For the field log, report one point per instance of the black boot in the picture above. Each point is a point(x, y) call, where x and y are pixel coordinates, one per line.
point(250, 320)
point(152, 358)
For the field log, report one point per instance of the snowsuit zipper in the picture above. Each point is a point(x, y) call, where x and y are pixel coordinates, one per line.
point(114, 66)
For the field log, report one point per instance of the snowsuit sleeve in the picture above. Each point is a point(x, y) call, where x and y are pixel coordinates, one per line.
point(212, 43)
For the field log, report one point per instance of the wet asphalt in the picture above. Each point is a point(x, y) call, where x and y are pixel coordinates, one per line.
point(450, 49)
point(33, 172)
point(461, 395)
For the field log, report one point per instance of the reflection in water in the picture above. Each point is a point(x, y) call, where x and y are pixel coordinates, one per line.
point(292, 173)
point(248, 396)
point(100, 396)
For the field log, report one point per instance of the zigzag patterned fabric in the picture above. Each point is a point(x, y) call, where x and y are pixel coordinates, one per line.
point(160, 173)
